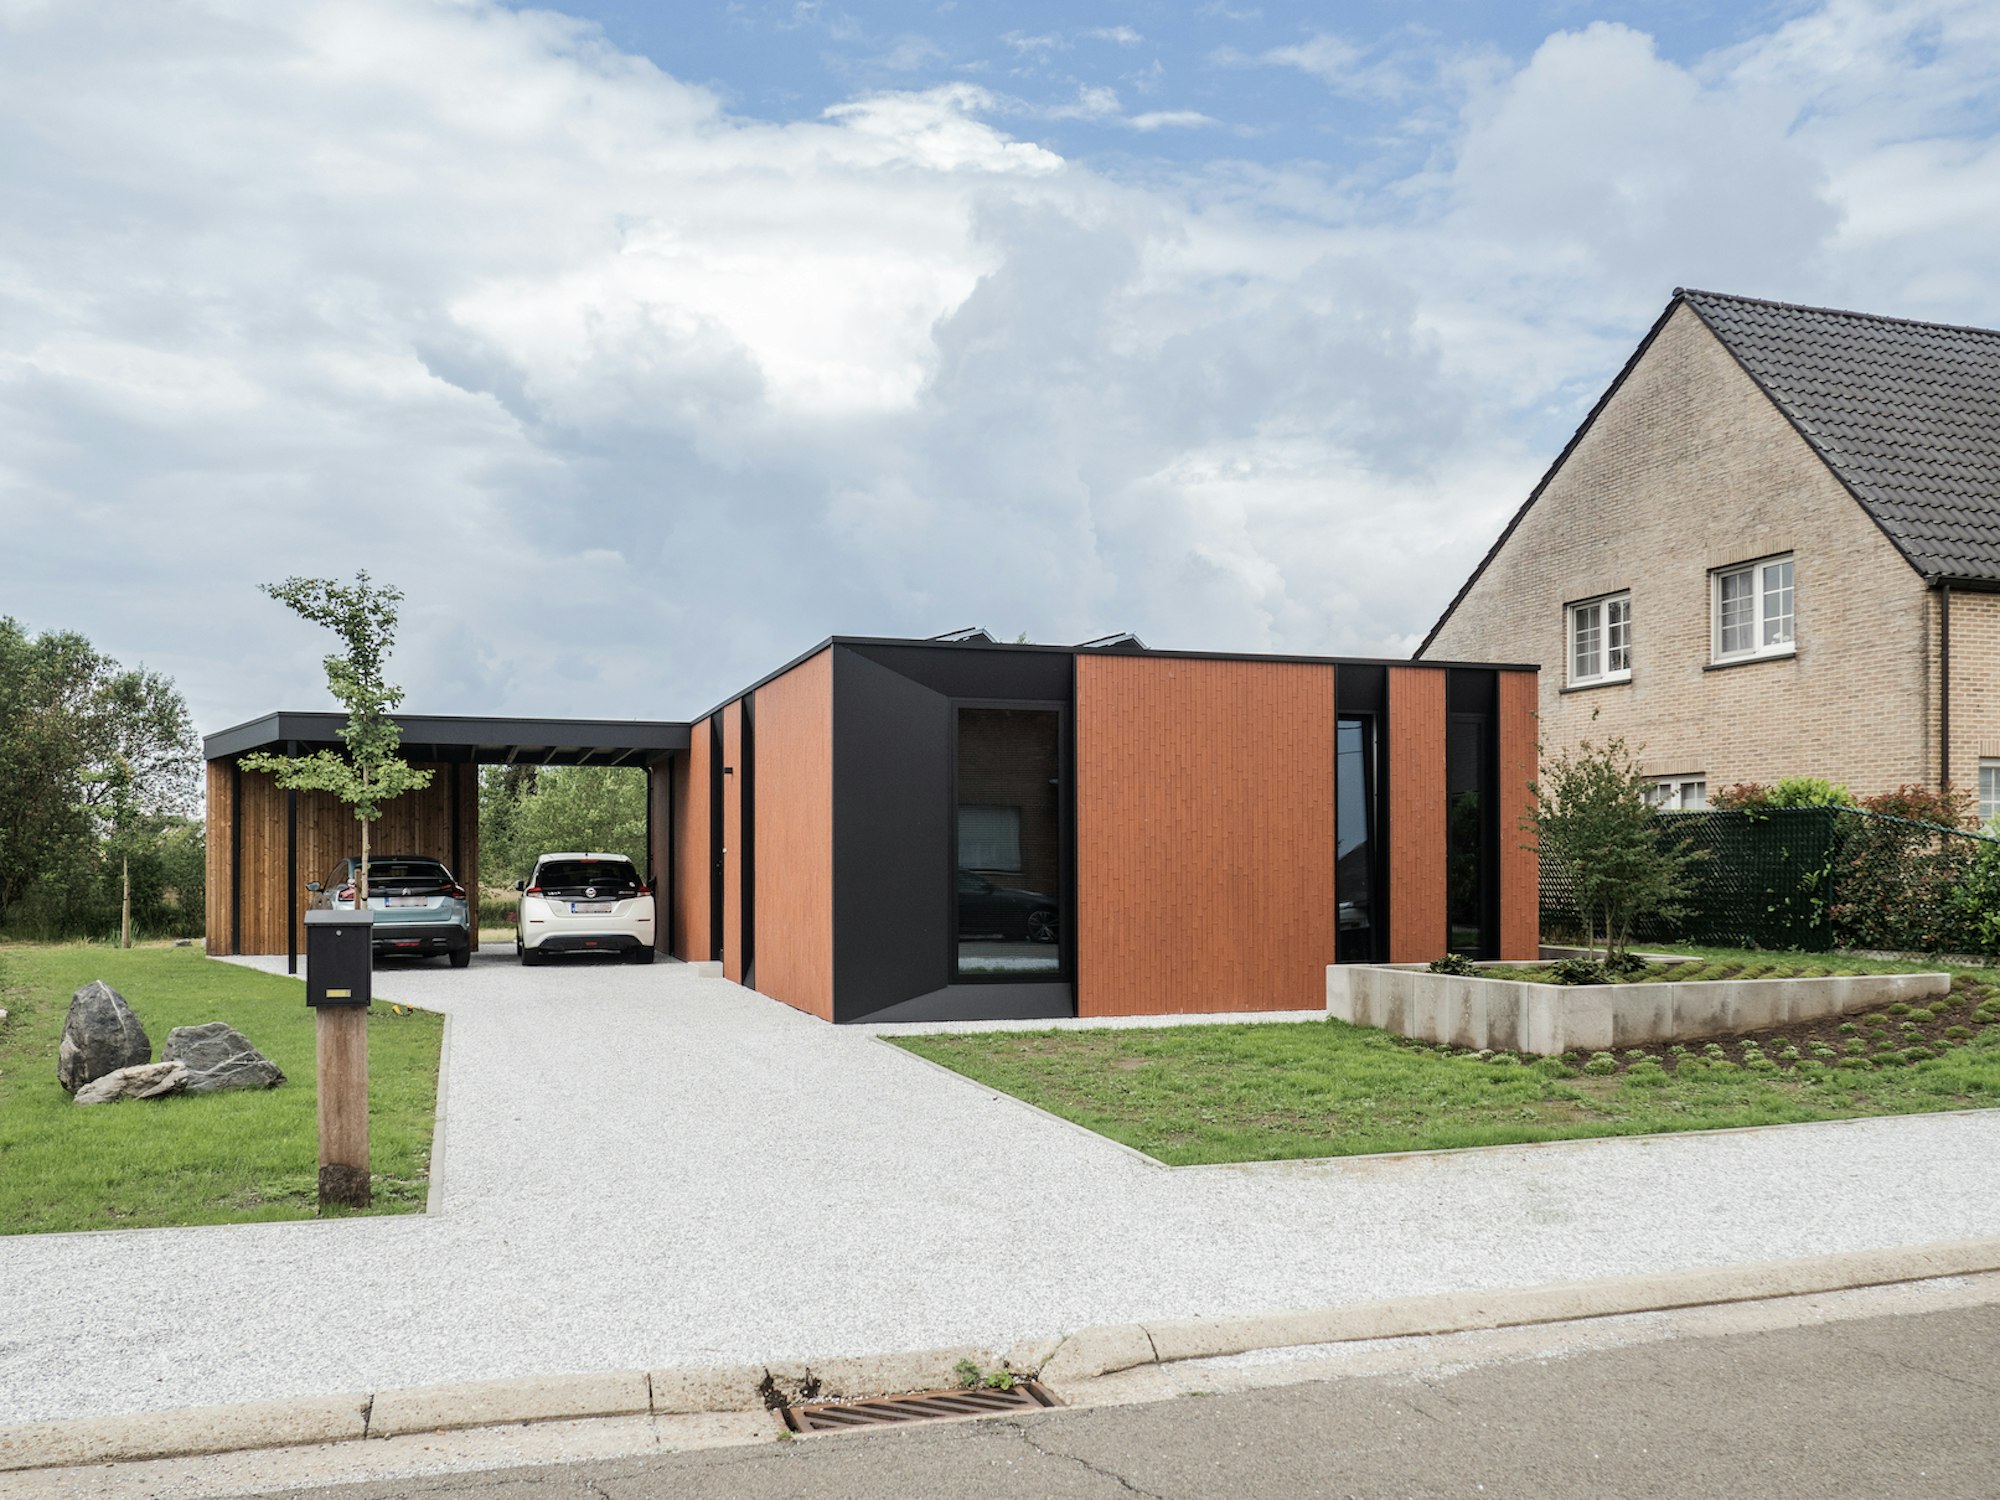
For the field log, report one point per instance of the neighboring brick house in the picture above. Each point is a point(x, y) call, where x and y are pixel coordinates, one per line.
point(1772, 548)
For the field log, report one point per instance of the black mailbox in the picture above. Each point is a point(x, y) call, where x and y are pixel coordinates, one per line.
point(340, 957)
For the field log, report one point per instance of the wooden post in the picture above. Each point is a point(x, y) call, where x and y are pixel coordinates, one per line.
point(343, 1105)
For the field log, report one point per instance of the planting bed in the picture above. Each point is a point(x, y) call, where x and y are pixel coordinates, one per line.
point(1519, 1008)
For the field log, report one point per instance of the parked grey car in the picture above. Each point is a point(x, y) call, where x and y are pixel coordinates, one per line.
point(420, 911)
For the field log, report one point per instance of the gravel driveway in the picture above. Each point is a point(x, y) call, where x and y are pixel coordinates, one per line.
point(645, 1167)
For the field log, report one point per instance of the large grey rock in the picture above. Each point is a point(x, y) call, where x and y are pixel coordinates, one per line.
point(100, 1035)
point(144, 1081)
point(218, 1056)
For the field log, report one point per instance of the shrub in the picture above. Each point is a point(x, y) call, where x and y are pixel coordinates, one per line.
point(1579, 971)
point(1452, 963)
point(1601, 1064)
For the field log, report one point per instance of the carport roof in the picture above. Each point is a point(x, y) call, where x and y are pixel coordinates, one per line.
point(451, 737)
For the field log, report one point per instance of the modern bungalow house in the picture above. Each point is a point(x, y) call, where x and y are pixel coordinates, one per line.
point(892, 830)
point(1772, 548)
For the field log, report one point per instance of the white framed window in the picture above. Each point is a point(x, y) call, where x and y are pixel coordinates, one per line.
point(1751, 607)
point(1989, 791)
point(1600, 640)
point(1681, 793)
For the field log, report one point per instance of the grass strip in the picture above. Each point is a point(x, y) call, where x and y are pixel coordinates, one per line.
point(227, 1158)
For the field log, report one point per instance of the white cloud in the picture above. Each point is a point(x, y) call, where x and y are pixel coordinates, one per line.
point(468, 297)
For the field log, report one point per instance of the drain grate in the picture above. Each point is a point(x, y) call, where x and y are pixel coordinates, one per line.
point(920, 1406)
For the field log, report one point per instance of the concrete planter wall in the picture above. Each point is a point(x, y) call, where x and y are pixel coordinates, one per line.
point(1508, 1015)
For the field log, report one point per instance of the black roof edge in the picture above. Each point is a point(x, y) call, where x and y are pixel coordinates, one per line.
point(654, 736)
point(1805, 433)
point(1548, 476)
point(1957, 581)
point(1150, 652)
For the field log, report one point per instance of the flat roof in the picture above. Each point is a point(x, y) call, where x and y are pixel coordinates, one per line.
point(1120, 647)
point(455, 737)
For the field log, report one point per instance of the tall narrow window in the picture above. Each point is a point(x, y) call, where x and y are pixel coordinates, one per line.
point(1009, 840)
point(1354, 855)
point(1753, 610)
point(1472, 907)
point(1600, 640)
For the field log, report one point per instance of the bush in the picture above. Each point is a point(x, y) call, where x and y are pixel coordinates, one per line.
point(1452, 963)
point(1579, 971)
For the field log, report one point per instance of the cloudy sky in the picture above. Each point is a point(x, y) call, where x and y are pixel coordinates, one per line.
point(646, 344)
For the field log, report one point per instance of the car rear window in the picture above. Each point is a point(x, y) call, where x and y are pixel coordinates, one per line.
point(408, 871)
point(602, 873)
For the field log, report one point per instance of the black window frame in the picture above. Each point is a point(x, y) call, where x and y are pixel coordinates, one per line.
point(1065, 970)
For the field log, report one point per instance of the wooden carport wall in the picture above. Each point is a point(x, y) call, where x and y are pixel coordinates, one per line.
point(265, 844)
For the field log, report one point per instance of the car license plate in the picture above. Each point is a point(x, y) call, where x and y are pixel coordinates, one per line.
point(409, 900)
point(590, 906)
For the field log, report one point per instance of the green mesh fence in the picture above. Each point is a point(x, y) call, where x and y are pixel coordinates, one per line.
point(1818, 878)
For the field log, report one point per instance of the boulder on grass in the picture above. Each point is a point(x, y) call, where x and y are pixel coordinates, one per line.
point(143, 1081)
point(100, 1036)
point(218, 1056)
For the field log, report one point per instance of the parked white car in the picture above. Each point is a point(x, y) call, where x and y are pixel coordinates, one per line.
point(584, 903)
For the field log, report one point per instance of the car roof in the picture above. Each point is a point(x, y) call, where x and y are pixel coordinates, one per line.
point(542, 859)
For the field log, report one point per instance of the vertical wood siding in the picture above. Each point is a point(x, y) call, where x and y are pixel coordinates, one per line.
point(732, 841)
point(660, 852)
point(416, 823)
point(693, 851)
point(1204, 837)
point(1520, 867)
point(220, 814)
point(793, 869)
point(1417, 833)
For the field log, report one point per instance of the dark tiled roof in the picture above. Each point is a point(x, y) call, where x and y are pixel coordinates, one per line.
point(1906, 414)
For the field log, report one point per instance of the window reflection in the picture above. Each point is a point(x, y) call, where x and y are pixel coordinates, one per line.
point(1009, 842)
point(1354, 829)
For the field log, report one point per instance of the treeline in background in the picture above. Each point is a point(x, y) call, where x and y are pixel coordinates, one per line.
point(99, 784)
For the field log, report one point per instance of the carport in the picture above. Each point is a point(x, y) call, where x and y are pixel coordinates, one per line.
point(264, 843)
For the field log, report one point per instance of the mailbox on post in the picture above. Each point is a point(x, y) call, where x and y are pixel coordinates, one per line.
point(339, 957)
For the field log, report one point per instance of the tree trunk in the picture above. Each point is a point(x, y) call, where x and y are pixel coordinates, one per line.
point(125, 904)
point(361, 876)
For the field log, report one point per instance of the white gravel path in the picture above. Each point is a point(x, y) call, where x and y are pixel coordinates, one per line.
point(643, 1167)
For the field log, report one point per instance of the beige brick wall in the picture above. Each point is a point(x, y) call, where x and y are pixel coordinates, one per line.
point(1975, 684)
point(1690, 468)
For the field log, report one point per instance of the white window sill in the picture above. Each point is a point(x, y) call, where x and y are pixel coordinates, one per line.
point(1724, 662)
point(1584, 685)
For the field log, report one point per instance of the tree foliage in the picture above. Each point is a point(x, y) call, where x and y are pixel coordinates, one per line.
point(1786, 791)
point(1591, 822)
point(371, 773)
point(85, 744)
point(525, 811)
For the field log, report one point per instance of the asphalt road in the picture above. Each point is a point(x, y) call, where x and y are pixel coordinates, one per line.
point(1894, 1406)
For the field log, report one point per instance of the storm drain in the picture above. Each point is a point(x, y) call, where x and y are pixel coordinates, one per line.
point(922, 1406)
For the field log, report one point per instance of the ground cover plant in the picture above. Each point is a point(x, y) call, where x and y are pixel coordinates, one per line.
point(1200, 1094)
point(187, 1159)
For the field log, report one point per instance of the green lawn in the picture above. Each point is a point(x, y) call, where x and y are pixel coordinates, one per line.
point(1198, 1094)
point(191, 1159)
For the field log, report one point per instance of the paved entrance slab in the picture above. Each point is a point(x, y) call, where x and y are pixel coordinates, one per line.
point(643, 1167)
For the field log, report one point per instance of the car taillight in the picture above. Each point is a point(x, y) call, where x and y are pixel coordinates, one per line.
point(456, 892)
point(645, 890)
point(345, 893)
point(533, 890)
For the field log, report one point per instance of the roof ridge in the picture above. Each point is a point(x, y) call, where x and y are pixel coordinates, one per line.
point(1837, 312)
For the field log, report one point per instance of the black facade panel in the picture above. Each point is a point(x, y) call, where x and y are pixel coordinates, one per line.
point(891, 836)
point(1360, 689)
point(1470, 691)
point(894, 827)
point(1041, 676)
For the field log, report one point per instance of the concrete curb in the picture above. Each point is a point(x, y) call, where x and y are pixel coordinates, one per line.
point(1068, 1363)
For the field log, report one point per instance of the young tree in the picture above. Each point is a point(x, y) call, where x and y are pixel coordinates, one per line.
point(371, 773)
point(1593, 826)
